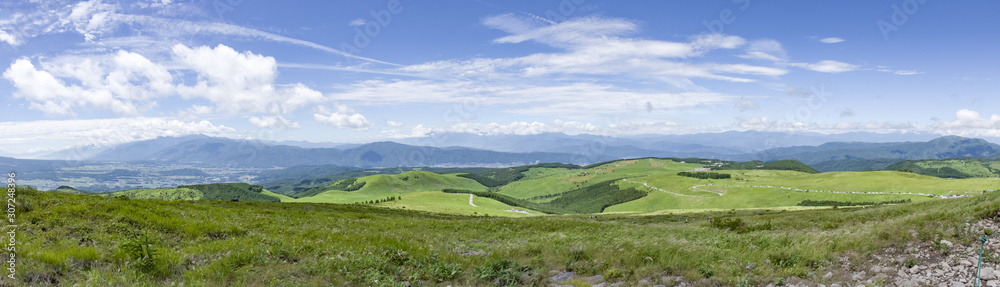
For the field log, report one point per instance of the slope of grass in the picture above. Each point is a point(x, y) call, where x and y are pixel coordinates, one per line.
point(951, 168)
point(383, 185)
point(448, 203)
point(160, 194)
point(749, 189)
point(70, 190)
point(78, 239)
point(563, 181)
point(214, 191)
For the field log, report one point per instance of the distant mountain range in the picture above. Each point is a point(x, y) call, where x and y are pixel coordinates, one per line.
point(243, 153)
point(447, 150)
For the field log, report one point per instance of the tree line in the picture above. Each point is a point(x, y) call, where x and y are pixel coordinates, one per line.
point(705, 175)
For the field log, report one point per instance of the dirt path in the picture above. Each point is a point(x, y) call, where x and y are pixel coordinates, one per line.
point(470, 200)
point(657, 188)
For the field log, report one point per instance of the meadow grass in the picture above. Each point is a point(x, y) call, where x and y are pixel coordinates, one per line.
point(385, 185)
point(79, 239)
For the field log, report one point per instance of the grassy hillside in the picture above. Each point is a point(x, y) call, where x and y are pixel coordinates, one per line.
point(214, 191)
point(951, 168)
point(160, 194)
point(439, 202)
point(78, 239)
point(382, 185)
point(70, 190)
point(775, 189)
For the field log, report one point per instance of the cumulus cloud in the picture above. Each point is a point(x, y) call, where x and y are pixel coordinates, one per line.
point(92, 18)
point(970, 123)
point(343, 118)
point(119, 82)
point(9, 39)
point(128, 83)
point(272, 122)
point(240, 82)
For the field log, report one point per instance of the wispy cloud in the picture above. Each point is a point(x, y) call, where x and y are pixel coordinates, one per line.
point(831, 40)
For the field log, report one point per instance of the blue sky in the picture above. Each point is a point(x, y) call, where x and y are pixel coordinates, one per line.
point(104, 72)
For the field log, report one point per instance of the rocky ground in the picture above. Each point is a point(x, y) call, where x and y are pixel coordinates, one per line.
point(939, 262)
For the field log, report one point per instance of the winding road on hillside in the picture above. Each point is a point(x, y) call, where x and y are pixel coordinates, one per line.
point(670, 192)
point(470, 200)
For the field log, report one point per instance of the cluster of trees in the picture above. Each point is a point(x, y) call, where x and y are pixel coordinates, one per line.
point(387, 199)
point(705, 175)
point(849, 203)
point(350, 184)
point(496, 177)
point(229, 191)
point(589, 199)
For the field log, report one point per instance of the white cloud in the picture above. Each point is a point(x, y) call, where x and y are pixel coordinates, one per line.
point(128, 83)
point(535, 127)
point(831, 40)
point(579, 99)
point(53, 135)
point(92, 18)
point(343, 118)
point(769, 50)
point(117, 82)
point(970, 123)
point(273, 122)
point(393, 123)
point(826, 66)
point(358, 22)
point(240, 82)
point(95, 19)
point(764, 124)
point(9, 39)
point(885, 69)
point(599, 46)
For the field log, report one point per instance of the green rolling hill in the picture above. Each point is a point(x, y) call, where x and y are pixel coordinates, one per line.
point(951, 168)
point(645, 185)
point(214, 191)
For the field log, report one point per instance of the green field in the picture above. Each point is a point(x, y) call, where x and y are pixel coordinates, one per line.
point(435, 201)
point(384, 185)
point(83, 239)
point(566, 189)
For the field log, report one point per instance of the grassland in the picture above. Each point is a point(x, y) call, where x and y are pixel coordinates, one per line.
point(565, 189)
point(92, 240)
point(384, 185)
point(436, 201)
